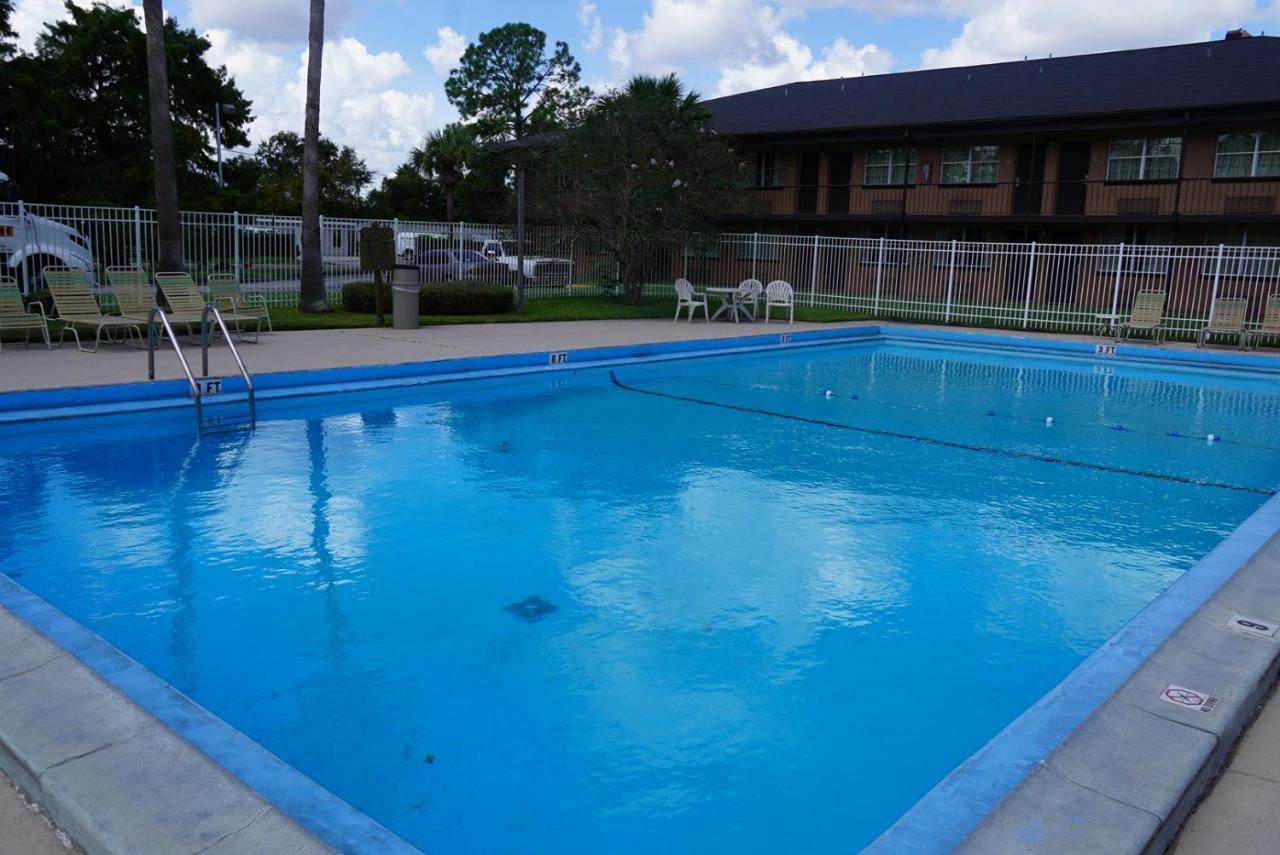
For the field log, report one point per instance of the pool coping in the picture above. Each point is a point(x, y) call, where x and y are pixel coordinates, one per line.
point(81, 401)
point(57, 752)
point(978, 798)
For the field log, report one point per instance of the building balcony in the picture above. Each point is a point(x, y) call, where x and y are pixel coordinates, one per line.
point(1188, 199)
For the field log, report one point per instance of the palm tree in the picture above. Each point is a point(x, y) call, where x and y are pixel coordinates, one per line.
point(445, 154)
point(311, 296)
point(169, 227)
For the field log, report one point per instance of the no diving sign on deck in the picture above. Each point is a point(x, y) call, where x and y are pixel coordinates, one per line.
point(1189, 699)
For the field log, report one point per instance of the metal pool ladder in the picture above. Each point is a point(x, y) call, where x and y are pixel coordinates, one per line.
point(206, 385)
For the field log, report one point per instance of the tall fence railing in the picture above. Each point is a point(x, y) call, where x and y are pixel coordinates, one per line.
point(1022, 285)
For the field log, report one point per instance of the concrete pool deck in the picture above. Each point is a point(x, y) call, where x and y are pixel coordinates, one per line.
point(24, 369)
point(29, 368)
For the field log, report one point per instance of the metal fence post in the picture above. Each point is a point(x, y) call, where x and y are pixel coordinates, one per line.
point(813, 275)
point(755, 251)
point(1031, 277)
point(235, 243)
point(26, 246)
point(1217, 278)
point(951, 282)
point(875, 309)
point(137, 236)
point(1115, 293)
point(458, 245)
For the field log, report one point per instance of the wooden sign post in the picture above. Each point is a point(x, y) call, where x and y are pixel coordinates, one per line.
point(377, 254)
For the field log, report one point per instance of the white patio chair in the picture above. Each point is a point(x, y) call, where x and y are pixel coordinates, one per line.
point(749, 293)
point(780, 294)
point(687, 297)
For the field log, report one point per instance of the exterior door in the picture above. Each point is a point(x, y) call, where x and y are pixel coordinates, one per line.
point(1064, 270)
point(839, 171)
point(1030, 174)
point(807, 193)
point(1073, 173)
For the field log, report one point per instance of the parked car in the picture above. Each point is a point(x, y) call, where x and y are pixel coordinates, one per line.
point(29, 244)
point(444, 265)
point(543, 269)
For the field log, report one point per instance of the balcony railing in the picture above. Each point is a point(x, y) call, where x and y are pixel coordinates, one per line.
point(1203, 198)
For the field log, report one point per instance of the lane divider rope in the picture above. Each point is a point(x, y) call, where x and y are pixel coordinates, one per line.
point(946, 443)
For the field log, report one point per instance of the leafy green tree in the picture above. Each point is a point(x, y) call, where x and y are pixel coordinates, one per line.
point(406, 194)
point(75, 124)
point(642, 170)
point(343, 176)
point(7, 35)
point(511, 86)
point(445, 155)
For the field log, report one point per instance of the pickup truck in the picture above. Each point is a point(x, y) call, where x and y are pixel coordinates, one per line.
point(540, 268)
point(29, 244)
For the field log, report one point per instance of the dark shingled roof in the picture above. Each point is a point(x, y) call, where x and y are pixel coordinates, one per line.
point(1209, 74)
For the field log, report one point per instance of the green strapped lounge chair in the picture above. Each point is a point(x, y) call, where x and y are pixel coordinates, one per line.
point(224, 289)
point(77, 307)
point(15, 316)
point(1226, 318)
point(184, 298)
point(1270, 322)
point(136, 297)
point(1147, 315)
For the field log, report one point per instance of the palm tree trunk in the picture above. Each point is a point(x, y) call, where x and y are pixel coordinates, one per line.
point(166, 180)
point(448, 204)
point(311, 297)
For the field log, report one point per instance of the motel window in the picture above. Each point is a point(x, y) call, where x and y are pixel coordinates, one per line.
point(1145, 250)
point(702, 247)
point(974, 164)
point(765, 171)
point(888, 166)
point(1144, 159)
point(1249, 251)
point(896, 252)
point(971, 251)
point(761, 247)
point(1255, 155)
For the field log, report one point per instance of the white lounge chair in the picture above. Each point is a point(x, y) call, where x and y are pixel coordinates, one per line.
point(749, 293)
point(687, 297)
point(780, 294)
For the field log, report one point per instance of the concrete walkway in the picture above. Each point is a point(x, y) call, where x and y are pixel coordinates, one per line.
point(23, 829)
point(1241, 813)
point(37, 368)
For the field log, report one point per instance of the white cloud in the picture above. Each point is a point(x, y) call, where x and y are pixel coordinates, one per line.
point(448, 49)
point(745, 41)
point(30, 17)
point(589, 17)
point(794, 61)
point(360, 103)
point(1010, 29)
point(264, 20)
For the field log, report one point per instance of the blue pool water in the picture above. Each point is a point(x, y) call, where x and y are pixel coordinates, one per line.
point(699, 606)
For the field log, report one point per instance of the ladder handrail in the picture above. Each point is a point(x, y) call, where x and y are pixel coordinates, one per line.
point(177, 349)
point(204, 353)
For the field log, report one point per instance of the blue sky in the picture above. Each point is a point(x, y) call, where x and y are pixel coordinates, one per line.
point(386, 60)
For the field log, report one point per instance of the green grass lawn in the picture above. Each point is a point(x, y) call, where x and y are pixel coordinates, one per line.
point(551, 309)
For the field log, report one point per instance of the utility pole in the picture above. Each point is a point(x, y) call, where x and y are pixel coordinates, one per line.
point(217, 132)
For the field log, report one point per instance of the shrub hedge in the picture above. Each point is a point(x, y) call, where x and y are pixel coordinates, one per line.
point(447, 298)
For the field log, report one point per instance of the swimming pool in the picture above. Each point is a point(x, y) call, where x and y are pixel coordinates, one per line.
point(752, 602)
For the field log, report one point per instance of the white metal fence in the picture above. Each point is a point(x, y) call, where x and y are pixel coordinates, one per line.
point(1027, 285)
